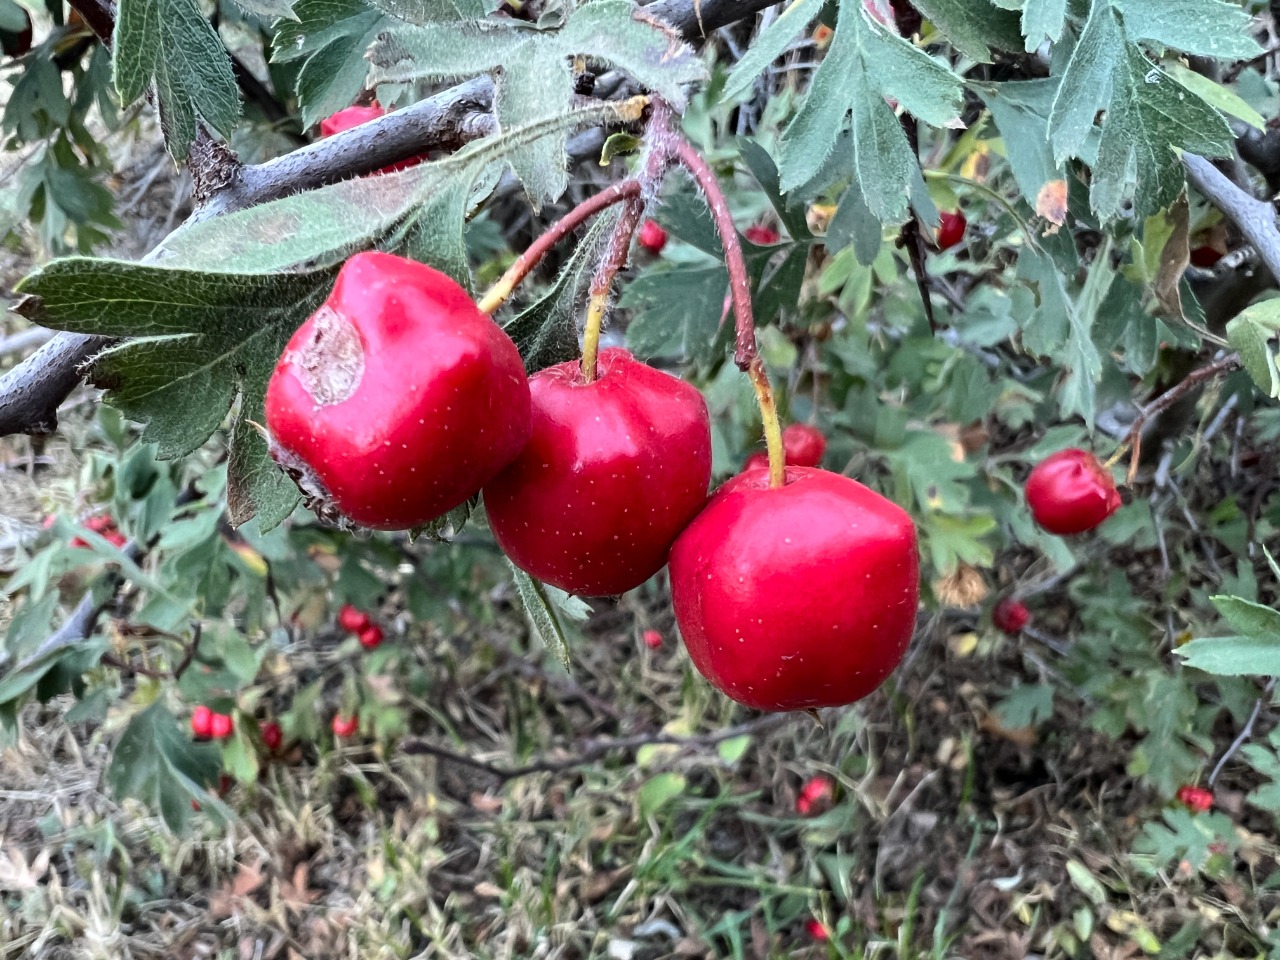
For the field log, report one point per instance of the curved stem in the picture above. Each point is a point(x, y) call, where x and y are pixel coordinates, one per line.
point(615, 257)
point(746, 354)
point(501, 291)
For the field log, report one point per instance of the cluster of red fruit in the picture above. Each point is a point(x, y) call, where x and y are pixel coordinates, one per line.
point(360, 625)
point(102, 524)
point(399, 399)
point(207, 725)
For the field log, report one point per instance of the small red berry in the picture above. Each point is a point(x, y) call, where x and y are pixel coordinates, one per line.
point(1197, 799)
point(796, 597)
point(615, 469)
point(345, 726)
point(371, 636)
point(817, 930)
point(352, 619)
point(652, 639)
point(1010, 616)
point(951, 227)
point(1205, 256)
point(803, 445)
point(115, 538)
point(816, 795)
point(220, 726)
point(652, 237)
point(398, 399)
point(762, 236)
point(1071, 492)
point(756, 460)
point(201, 722)
point(272, 735)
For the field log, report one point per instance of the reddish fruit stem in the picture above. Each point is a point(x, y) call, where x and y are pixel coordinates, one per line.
point(745, 354)
point(501, 291)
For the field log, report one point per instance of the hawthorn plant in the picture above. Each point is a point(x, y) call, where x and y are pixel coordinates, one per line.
point(957, 248)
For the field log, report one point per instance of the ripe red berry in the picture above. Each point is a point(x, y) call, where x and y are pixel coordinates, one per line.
point(201, 722)
point(652, 237)
point(652, 639)
point(817, 930)
point(755, 461)
point(355, 116)
point(1010, 616)
point(816, 795)
point(1205, 256)
point(345, 726)
point(352, 619)
point(615, 469)
point(1197, 799)
point(220, 726)
point(371, 636)
point(797, 597)
point(1071, 492)
point(803, 445)
point(761, 235)
point(272, 735)
point(115, 538)
point(951, 227)
point(397, 399)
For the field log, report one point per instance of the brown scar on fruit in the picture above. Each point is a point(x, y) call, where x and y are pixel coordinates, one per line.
point(331, 363)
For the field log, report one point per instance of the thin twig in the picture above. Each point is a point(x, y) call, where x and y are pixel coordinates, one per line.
point(1255, 218)
point(1246, 732)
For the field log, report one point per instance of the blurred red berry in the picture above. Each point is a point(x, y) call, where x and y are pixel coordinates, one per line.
point(761, 235)
point(345, 726)
point(652, 237)
point(48, 521)
point(1205, 256)
point(816, 795)
point(352, 619)
point(220, 726)
point(1011, 616)
point(652, 639)
point(371, 636)
point(817, 930)
point(272, 735)
point(951, 227)
point(756, 460)
point(115, 538)
point(201, 721)
point(1195, 798)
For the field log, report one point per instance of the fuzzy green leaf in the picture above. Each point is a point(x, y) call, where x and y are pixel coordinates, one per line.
point(769, 46)
point(1253, 334)
point(541, 615)
point(974, 27)
point(1207, 28)
point(1234, 656)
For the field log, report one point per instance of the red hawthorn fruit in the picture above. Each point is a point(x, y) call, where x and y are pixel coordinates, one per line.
point(354, 117)
point(352, 619)
point(1205, 256)
point(201, 722)
point(397, 399)
point(345, 726)
point(802, 446)
point(1010, 616)
point(756, 461)
point(798, 597)
point(762, 236)
point(1071, 492)
point(220, 726)
point(614, 470)
point(272, 736)
point(652, 639)
point(951, 227)
point(104, 526)
point(816, 929)
point(652, 237)
point(815, 796)
point(1197, 799)
point(371, 636)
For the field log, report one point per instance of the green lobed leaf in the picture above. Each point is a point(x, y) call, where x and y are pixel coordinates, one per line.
point(1221, 98)
point(1020, 110)
point(677, 312)
point(1251, 619)
point(1234, 656)
point(1208, 28)
point(974, 27)
point(770, 45)
point(1086, 83)
point(1253, 334)
point(1043, 20)
point(171, 44)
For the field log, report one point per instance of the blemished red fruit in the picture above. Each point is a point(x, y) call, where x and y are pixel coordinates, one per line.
point(951, 227)
point(614, 470)
point(761, 235)
point(352, 619)
point(803, 445)
point(201, 722)
point(652, 639)
point(355, 116)
point(816, 929)
point(1071, 492)
point(815, 796)
point(1010, 616)
point(397, 399)
point(652, 237)
point(345, 726)
point(371, 636)
point(1205, 256)
point(272, 735)
point(1197, 799)
point(798, 597)
point(220, 726)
